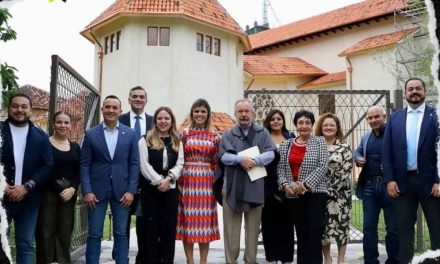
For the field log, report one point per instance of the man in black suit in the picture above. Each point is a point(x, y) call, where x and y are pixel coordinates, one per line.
point(26, 155)
point(141, 122)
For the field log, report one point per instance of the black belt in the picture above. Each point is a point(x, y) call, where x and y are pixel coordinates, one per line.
point(374, 179)
point(412, 172)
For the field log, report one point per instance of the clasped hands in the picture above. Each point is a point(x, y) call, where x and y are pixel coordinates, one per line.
point(67, 194)
point(295, 191)
point(247, 163)
point(15, 193)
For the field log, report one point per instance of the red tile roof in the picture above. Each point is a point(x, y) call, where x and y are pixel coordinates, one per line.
point(348, 15)
point(221, 122)
point(331, 78)
point(377, 41)
point(272, 65)
point(207, 11)
point(40, 98)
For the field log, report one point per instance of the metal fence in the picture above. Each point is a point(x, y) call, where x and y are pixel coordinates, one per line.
point(70, 92)
point(350, 106)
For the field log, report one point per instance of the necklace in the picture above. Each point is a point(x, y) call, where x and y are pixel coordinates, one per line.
point(301, 141)
point(61, 142)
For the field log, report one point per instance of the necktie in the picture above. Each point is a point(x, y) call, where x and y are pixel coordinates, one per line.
point(137, 126)
point(411, 137)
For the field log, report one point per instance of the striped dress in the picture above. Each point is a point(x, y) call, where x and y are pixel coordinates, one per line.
point(197, 216)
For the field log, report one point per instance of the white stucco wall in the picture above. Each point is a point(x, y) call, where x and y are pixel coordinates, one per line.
point(174, 75)
point(323, 51)
point(375, 70)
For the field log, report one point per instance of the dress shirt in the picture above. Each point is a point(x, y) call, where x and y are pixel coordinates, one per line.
point(373, 166)
point(142, 121)
point(409, 111)
point(111, 138)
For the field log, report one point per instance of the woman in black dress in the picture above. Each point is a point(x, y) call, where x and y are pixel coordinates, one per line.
point(56, 218)
point(161, 160)
point(276, 222)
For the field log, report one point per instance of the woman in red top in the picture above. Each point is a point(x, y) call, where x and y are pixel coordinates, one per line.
point(301, 174)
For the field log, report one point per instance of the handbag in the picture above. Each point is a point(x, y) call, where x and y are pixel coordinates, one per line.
point(62, 184)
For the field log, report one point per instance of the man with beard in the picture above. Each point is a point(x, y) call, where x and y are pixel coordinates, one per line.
point(26, 155)
point(141, 122)
point(372, 191)
point(409, 161)
point(240, 195)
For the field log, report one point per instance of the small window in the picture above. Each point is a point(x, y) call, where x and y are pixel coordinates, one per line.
point(216, 46)
point(164, 36)
point(152, 36)
point(118, 38)
point(106, 44)
point(208, 44)
point(112, 42)
point(199, 42)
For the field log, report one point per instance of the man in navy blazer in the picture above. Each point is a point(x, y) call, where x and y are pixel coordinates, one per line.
point(137, 98)
point(109, 171)
point(410, 167)
point(26, 155)
point(372, 191)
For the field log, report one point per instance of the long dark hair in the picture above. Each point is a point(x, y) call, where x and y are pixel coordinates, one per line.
point(201, 103)
point(266, 122)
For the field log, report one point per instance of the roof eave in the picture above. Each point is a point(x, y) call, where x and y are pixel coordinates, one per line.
point(86, 32)
point(318, 32)
point(311, 86)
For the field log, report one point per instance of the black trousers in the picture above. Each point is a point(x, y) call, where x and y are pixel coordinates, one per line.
point(406, 209)
point(54, 229)
point(277, 230)
point(308, 214)
point(158, 228)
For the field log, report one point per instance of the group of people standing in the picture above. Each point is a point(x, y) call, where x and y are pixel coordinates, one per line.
point(140, 164)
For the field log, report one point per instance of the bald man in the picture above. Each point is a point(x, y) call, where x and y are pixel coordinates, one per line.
point(372, 190)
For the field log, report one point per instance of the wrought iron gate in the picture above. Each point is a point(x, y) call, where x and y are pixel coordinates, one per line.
point(350, 106)
point(70, 92)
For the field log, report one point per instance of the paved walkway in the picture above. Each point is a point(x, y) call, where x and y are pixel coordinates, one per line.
point(216, 254)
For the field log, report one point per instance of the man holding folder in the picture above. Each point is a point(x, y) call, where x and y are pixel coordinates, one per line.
point(242, 194)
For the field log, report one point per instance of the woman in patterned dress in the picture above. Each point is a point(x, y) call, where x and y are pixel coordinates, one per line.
point(337, 226)
point(197, 217)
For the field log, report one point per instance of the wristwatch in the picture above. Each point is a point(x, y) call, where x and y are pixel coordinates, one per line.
point(28, 186)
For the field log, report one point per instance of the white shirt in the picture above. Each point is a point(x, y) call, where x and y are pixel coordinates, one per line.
point(142, 121)
point(147, 170)
point(409, 115)
point(19, 135)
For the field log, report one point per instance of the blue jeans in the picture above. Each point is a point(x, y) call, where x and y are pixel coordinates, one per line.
point(375, 199)
point(25, 215)
point(96, 224)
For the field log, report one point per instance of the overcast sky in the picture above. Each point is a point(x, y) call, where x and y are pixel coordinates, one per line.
point(45, 28)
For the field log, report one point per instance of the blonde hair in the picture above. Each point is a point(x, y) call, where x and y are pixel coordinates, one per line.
point(152, 138)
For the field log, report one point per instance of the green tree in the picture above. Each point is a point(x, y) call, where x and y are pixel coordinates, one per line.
point(8, 73)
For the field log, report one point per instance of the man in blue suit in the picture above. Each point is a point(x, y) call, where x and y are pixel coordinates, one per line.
point(109, 175)
point(141, 122)
point(410, 167)
point(372, 191)
point(26, 155)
